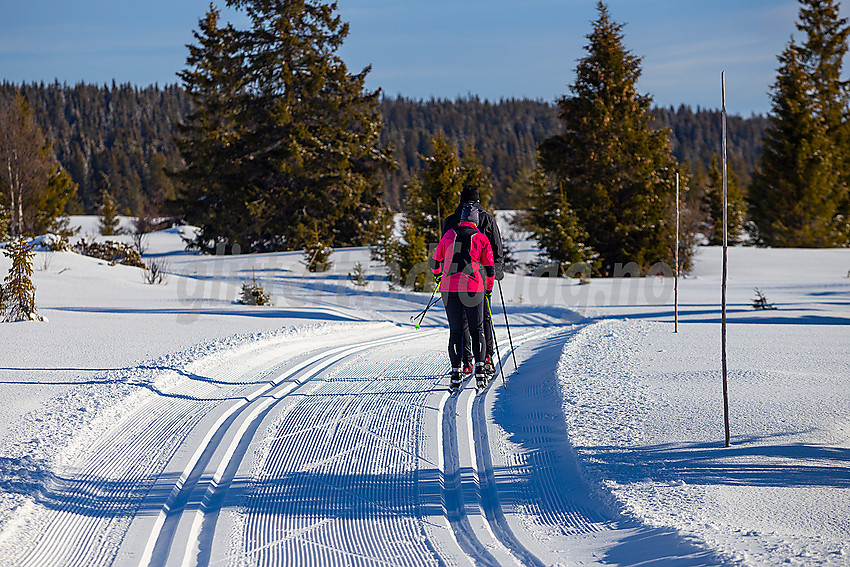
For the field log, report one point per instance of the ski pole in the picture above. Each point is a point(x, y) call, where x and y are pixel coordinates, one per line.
point(428, 306)
point(496, 343)
point(507, 325)
point(421, 314)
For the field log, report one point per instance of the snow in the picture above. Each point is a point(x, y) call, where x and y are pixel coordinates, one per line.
point(163, 424)
point(781, 489)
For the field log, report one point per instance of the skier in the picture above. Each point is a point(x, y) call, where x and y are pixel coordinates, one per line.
point(469, 196)
point(457, 264)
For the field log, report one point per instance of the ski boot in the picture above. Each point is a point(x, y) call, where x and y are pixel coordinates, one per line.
point(489, 368)
point(455, 380)
point(467, 368)
point(480, 377)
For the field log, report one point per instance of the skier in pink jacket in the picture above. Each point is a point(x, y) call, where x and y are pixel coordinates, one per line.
point(463, 266)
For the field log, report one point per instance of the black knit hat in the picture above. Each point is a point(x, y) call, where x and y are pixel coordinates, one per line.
point(469, 214)
point(469, 194)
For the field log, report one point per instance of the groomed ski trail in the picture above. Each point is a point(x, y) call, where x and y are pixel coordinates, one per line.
point(345, 451)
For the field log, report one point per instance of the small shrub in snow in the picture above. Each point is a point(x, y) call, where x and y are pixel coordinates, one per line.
point(760, 301)
point(144, 225)
point(156, 272)
point(357, 275)
point(112, 251)
point(46, 261)
point(18, 291)
point(254, 294)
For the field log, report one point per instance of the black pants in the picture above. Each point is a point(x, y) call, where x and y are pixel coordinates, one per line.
point(465, 310)
point(488, 334)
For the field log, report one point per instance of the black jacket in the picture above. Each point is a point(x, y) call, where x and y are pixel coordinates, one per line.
point(487, 226)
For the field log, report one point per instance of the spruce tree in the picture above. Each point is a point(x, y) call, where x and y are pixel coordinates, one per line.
point(823, 55)
point(406, 257)
point(284, 135)
point(617, 173)
point(435, 194)
point(796, 194)
point(473, 173)
point(411, 257)
point(108, 220)
point(18, 290)
point(214, 197)
point(435, 197)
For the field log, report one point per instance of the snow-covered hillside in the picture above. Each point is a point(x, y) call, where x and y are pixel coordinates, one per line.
point(168, 424)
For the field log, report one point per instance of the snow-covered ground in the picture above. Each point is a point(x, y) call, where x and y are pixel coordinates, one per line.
point(168, 424)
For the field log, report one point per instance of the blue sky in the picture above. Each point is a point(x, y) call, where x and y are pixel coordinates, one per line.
point(442, 48)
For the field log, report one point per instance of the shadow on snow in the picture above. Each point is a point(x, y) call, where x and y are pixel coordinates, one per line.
point(748, 462)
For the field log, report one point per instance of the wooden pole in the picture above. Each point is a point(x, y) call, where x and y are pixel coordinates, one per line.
point(723, 286)
point(676, 273)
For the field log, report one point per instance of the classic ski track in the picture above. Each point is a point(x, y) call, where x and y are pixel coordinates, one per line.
point(486, 478)
point(453, 486)
point(91, 507)
point(493, 541)
point(486, 538)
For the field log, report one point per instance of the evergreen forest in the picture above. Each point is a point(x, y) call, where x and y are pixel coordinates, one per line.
point(120, 139)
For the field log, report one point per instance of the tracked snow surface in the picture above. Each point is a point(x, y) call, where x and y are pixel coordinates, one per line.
point(170, 425)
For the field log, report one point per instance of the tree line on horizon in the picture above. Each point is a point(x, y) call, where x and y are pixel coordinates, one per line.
point(120, 138)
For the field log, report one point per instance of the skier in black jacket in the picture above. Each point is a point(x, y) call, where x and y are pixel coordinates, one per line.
point(487, 226)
